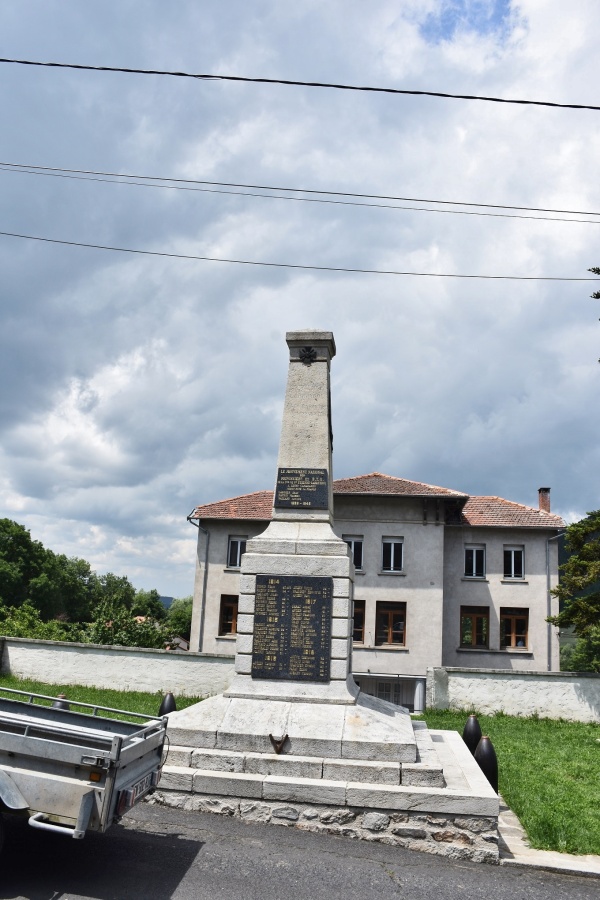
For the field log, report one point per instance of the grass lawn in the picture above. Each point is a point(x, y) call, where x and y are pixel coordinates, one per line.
point(132, 701)
point(548, 773)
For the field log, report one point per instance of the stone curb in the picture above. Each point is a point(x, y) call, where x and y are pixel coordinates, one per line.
point(516, 852)
point(556, 867)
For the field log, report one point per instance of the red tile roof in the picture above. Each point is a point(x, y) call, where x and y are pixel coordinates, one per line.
point(477, 511)
point(376, 483)
point(249, 506)
point(494, 511)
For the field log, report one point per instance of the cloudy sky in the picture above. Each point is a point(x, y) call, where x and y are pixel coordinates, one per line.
point(134, 387)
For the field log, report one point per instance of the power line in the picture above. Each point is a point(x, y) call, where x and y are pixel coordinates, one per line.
point(266, 187)
point(274, 265)
point(290, 82)
point(184, 184)
point(354, 203)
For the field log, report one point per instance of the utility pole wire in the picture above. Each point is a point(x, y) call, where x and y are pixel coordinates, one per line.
point(274, 265)
point(290, 82)
point(181, 184)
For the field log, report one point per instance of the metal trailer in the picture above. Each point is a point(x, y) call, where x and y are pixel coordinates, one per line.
point(69, 770)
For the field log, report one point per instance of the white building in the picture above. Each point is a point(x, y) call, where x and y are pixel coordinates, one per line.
point(441, 579)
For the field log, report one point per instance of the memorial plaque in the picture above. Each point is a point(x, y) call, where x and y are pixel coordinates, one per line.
point(292, 628)
point(302, 489)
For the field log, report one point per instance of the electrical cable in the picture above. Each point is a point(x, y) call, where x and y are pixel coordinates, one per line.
point(290, 82)
point(143, 181)
point(274, 265)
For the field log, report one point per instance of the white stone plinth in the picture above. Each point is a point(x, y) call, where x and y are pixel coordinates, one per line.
point(367, 729)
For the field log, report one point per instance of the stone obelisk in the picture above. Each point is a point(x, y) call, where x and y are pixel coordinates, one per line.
point(293, 741)
point(295, 604)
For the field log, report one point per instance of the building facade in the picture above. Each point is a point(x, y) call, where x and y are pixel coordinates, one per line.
point(441, 579)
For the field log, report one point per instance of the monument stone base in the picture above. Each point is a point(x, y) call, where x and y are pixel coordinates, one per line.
point(365, 771)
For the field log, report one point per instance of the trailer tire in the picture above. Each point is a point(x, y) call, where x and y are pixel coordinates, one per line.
point(1, 832)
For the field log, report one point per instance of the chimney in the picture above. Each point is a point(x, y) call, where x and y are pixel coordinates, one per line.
point(544, 501)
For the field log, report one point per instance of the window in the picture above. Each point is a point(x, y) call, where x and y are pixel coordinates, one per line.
point(390, 692)
point(514, 563)
point(475, 560)
point(514, 624)
point(391, 554)
point(390, 624)
point(358, 634)
point(474, 626)
point(237, 546)
point(228, 614)
point(384, 691)
point(355, 542)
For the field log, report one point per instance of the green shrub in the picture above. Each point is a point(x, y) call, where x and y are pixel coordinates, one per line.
point(25, 621)
point(113, 624)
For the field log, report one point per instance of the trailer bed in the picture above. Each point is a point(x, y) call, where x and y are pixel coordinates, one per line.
point(74, 769)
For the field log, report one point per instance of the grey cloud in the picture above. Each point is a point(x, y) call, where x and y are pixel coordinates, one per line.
point(134, 388)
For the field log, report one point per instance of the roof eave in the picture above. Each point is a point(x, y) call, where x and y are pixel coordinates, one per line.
point(396, 495)
point(545, 526)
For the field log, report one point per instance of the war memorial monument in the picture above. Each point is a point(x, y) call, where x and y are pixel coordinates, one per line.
point(293, 741)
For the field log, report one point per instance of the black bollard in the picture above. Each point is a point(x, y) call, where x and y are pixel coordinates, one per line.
point(168, 704)
point(60, 702)
point(472, 733)
point(485, 757)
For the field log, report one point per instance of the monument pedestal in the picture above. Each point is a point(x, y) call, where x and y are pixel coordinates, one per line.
point(364, 771)
point(292, 741)
point(368, 729)
point(295, 616)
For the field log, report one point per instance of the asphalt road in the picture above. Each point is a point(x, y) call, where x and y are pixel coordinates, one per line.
point(158, 854)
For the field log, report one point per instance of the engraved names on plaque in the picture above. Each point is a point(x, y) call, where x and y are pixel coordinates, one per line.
point(302, 489)
point(292, 627)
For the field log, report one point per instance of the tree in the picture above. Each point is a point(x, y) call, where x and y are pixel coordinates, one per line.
point(78, 582)
point(596, 271)
point(53, 589)
point(148, 603)
point(115, 624)
point(596, 294)
point(579, 592)
point(57, 586)
point(21, 560)
point(112, 588)
point(179, 617)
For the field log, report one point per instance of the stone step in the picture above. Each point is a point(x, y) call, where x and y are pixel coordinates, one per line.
point(185, 759)
point(244, 785)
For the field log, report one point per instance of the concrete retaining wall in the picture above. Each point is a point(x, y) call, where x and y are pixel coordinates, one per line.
point(121, 668)
point(554, 695)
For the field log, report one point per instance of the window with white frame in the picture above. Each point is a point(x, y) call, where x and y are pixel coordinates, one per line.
point(474, 560)
point(235, 548)
point(355, 542)
point(390, 692)
point(391, 554)
point(384, 690)
point(514, 561)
